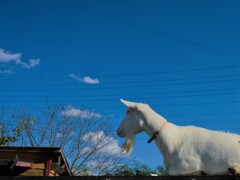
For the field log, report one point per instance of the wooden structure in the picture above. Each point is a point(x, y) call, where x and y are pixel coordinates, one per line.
point(33, 161)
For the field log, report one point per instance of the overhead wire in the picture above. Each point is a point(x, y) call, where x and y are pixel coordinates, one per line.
point(126, 74)
point(118, 87)
point(167, 92)
point(126, 82)
point(150, 29)
point(115, 99)
point(119, 94)
point(120, 107)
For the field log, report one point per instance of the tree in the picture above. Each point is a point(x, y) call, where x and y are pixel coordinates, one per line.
point(9, 131)
point(139, 169)
point(125, 171)
point(85, 136)
point(143, 169)
point(160, 170)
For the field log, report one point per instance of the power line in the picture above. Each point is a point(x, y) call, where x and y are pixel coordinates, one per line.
point(128, 74)
point(153, 31)
point(205, 114)
point(114, 87)
point(156, 105)
point(128, 82)
point(168, 116)
point(117, 95)
point(116, 99)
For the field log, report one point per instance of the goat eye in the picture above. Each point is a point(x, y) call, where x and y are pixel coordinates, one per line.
point(128, 111)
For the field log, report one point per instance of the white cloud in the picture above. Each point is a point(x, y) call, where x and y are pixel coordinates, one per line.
point(58, 135)
point(7, 57)
point(94, 164)
point(109, 149)
point(6, 72)
point(32, 63)
point(74, 112)
point(109, 145)
point(85, 79)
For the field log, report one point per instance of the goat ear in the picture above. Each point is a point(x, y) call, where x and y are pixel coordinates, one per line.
point(128, 103)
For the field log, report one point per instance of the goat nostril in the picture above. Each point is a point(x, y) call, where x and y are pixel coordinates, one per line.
point(119, 132)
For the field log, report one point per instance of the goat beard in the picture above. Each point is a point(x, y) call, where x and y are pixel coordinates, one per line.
point(128, 145)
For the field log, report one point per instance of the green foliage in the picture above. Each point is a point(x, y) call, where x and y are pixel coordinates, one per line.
point(139, 169)
point(143, 169)
point(7, 137)
point(125, 171)
point(10, 134)
point(159, 169)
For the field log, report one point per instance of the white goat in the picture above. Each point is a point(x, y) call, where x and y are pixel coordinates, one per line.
point(185, 149)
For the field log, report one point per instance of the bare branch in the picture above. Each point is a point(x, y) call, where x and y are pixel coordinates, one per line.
point(83, 136)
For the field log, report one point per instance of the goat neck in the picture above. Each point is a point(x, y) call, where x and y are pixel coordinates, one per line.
point(169, 135)
point(153, 121)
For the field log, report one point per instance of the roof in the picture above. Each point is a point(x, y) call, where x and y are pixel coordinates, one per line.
point(36, 155)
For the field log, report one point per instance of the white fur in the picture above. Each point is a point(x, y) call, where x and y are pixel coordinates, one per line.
point(185, 149)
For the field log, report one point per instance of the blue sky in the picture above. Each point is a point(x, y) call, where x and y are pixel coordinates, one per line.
point(180, 57)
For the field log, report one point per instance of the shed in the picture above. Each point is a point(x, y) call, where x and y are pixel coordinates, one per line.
point(33, 161)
